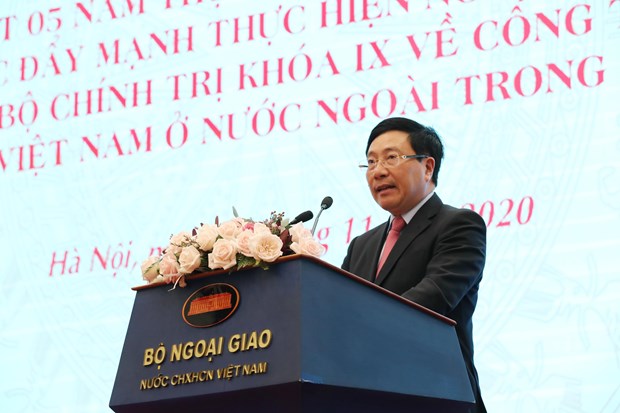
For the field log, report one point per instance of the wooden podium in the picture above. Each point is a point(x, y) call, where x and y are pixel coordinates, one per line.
point(303, 336)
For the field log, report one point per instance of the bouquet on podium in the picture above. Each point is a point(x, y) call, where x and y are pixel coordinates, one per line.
point(230, 245)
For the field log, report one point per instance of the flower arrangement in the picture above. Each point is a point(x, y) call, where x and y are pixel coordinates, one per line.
point(231, 245)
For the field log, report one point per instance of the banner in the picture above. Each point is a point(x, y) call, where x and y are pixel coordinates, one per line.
point(125, 121)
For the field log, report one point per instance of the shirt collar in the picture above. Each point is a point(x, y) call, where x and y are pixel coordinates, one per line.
point(408, 216)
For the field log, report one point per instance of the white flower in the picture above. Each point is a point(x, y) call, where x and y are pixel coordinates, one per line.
point(243, 242)
point(298, 232)
point(206, 236)
point(150, 268)
point(266, 247)
point(230, 229)
point(189, 260)
point(260, 228)
point(158, 279)
point(224, 254)
point(221, 244)
point(308, 246)
point(178, 241)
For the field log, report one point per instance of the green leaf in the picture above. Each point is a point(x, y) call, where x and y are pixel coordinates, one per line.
point(243, 261)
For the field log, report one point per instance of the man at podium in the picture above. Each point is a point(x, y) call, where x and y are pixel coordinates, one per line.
point(427, 252)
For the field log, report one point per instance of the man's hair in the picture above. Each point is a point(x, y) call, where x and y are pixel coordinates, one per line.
point(423, 139)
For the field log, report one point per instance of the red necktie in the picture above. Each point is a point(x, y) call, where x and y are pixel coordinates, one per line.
point(397, 225)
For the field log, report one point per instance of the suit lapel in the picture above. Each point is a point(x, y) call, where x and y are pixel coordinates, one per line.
point(420, 221)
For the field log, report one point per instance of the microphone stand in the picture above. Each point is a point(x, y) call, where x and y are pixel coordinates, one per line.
point(316, 221)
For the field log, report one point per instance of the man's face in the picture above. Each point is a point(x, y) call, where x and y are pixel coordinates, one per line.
point(398, 189)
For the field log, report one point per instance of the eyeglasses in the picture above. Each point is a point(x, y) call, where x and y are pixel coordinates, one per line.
point(390, 161)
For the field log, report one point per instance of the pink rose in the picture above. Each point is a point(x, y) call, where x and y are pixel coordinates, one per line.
point(266, 247)
point(224, 254)
point(308, 246)
point(298, 232)
point(169, 267)
point(189, 260)
point(150, 268)
point(206, 236)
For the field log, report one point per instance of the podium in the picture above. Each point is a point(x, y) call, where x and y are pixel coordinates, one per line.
point(302, 336)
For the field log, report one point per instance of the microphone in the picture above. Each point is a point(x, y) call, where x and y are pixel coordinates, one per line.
point(303, 217)
point(325, 203)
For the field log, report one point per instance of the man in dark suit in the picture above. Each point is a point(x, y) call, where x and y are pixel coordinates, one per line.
point(437, 258)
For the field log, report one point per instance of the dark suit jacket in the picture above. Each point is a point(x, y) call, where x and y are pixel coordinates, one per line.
point(437, 262)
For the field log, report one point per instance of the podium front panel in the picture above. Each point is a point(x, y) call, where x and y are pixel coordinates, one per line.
point(298, 337)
